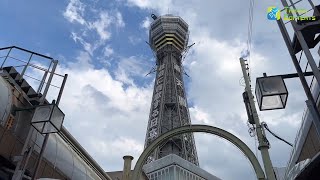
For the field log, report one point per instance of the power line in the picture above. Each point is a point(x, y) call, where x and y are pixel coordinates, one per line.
point(250, 25)
point(267, 128)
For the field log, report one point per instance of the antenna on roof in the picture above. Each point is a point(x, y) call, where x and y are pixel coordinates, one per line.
point(154, 17)
point(185, 51)
point(153, 69)
point(184, 55)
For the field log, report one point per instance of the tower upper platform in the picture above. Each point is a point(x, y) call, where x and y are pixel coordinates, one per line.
point(168, 30)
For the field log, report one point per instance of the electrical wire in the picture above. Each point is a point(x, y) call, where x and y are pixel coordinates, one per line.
point(267, 128)
point(250, 23)
point(249, 38)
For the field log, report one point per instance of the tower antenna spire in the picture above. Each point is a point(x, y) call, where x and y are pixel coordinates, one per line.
point(153, 16)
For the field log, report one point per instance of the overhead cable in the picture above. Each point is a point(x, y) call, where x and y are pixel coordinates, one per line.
point(267, 128)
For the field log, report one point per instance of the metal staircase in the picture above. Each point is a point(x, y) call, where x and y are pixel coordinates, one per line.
point(11, 60)
point(33, 96)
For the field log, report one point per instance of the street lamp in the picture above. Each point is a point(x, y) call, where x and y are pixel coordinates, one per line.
point(47, 119)
point(271, 93)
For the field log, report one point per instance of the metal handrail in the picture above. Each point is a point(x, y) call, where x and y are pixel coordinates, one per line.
point(33, 65)
point(31, 52)
point(40, 81)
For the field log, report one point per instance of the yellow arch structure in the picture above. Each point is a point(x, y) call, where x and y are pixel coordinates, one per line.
point(199, 128)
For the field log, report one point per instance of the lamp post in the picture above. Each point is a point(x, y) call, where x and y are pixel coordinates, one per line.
point(263, 143)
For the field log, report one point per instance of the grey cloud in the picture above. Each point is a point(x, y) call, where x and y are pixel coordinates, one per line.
point(223, 159)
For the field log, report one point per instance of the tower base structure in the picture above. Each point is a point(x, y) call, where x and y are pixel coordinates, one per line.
point(173, 167)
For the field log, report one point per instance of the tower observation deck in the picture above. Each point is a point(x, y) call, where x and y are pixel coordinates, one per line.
point(168, 37)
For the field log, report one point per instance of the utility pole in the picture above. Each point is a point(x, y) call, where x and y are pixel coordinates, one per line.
point(263, 143)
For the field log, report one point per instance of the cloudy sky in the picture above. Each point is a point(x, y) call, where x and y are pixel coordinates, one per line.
point(101, 45)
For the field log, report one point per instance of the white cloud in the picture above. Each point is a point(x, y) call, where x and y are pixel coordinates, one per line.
point(121, 146)
point(107, 51)
point(130, 68)
point(140, 3)
point(199, 116)
point(134, 40)
point(101, 25)
point(83, 62)
point(163, 6)
point(99, 22)
point(146, 23)
point(75, 11)
point(90, 48)
point(120, 22)
point(102, 105)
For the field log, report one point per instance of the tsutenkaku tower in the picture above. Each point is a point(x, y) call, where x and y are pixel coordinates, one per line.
point(168, 37)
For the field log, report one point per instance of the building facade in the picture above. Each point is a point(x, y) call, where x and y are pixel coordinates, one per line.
point(304, 162)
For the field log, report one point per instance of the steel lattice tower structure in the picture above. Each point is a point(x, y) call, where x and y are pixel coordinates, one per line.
point(168, 38)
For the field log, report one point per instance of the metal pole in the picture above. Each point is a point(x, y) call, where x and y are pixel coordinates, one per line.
point(296, 64)
point(294, 7)
point(39, 159)
point(5, 59)
point(18, 173)
point(25, 68)
point(62, 88)
point(45, 141)
point(43, 80)
point(55, 63)
point(263, 145)
point(311, 4)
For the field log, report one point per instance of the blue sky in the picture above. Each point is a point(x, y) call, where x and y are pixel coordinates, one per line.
point(101, 45)
point(42, 26)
